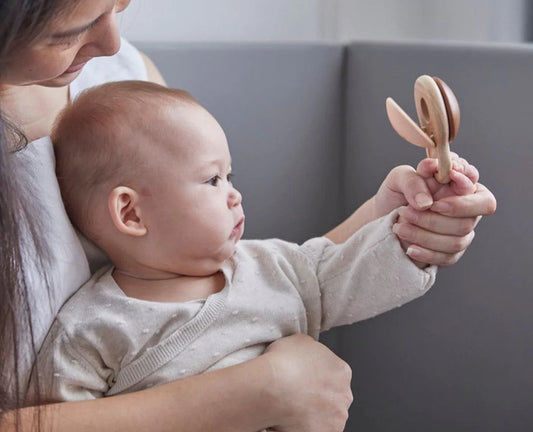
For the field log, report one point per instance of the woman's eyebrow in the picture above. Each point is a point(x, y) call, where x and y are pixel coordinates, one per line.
point(75, 31)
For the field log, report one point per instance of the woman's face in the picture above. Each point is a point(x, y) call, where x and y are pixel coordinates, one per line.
point(89, 29)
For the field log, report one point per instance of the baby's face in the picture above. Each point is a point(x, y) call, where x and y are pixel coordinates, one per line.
point(192, 211)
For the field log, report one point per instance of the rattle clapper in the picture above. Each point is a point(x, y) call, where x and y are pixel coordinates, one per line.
point(439, 118)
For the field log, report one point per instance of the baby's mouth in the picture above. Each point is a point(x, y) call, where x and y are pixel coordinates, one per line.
point(237, 227)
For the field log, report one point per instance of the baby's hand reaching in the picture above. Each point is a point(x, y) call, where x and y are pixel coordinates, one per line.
point(440, 233)
point(463, 178)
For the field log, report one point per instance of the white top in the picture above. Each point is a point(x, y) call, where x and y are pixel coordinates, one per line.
point(68, 261)
point(104, 343)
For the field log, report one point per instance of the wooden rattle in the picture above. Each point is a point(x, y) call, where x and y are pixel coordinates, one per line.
point(439, 118)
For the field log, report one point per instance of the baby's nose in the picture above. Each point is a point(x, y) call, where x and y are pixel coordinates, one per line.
point(234, 198)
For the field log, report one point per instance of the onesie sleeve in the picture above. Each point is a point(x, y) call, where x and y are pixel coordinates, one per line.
point(64, 371)
point(365, 276)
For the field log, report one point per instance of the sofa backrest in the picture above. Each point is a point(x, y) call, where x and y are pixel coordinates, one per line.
point(311, 141)
point(458, 359)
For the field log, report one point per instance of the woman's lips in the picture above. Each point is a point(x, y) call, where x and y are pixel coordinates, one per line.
point(75, 68)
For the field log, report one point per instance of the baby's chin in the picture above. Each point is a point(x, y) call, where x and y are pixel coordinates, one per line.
point(213, 267)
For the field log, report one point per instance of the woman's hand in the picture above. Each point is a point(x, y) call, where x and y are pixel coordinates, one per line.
point(437, 225)
point(311, 385)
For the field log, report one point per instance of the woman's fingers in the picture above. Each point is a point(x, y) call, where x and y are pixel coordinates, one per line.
point(481, 202)
point(444, 243)
point(412, 187)
point(430, 247)
point(437, 223)
point(432, 238)
point(442, 234)
point(420, 255)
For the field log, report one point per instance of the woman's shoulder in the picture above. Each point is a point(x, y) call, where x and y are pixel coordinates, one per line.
point(126, 64)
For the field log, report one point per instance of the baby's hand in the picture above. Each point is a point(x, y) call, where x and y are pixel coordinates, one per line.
point(430, 237)
point(463, 178)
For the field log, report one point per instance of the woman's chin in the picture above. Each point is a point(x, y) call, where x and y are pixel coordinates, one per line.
point(62, 80)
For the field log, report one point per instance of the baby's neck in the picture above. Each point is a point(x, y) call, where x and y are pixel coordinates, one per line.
point(172, 290)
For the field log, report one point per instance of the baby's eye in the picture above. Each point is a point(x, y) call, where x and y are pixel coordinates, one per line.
point(229, 177)
point(213, 181)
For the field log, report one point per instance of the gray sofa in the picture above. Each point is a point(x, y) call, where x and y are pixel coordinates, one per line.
point(311, 141)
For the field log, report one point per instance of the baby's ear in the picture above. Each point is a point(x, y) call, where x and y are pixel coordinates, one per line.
point(125, 212)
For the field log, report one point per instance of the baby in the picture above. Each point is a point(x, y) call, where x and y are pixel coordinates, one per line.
point(145, 173)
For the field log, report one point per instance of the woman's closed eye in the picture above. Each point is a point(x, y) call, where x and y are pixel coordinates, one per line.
point(66, 40)
point(71, 37)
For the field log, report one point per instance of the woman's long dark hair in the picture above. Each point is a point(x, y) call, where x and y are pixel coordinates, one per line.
point(21, 23)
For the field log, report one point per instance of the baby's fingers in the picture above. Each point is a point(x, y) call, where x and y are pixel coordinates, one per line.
point(427, 168)
point(461, 165)
point(463, 177)
point(461, 184)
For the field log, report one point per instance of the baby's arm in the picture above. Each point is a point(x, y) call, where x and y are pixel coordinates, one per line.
point(63, 373)
point(364, 276)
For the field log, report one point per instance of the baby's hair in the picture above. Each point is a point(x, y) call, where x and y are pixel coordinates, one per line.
point(101, 137)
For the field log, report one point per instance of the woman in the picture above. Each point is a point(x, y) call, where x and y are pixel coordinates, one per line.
point(47, 55)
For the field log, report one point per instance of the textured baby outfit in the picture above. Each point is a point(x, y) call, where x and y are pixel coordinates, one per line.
point(104, 343)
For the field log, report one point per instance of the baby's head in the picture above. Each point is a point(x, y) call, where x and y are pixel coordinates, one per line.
point(145, 174)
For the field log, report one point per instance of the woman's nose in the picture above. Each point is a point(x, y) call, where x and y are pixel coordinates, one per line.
point(105, 39)
point(121, 5)
point(234, 198)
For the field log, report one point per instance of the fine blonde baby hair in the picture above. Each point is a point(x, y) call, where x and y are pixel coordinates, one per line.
point(100, 139)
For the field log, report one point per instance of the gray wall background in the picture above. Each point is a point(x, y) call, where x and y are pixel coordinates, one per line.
point(459, 359)
point(325, 20)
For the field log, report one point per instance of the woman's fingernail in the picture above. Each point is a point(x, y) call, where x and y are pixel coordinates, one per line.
point(423, 200)
point(412, 251)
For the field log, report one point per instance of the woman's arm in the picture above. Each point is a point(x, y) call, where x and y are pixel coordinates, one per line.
point(364, 214)
point(297, 385)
